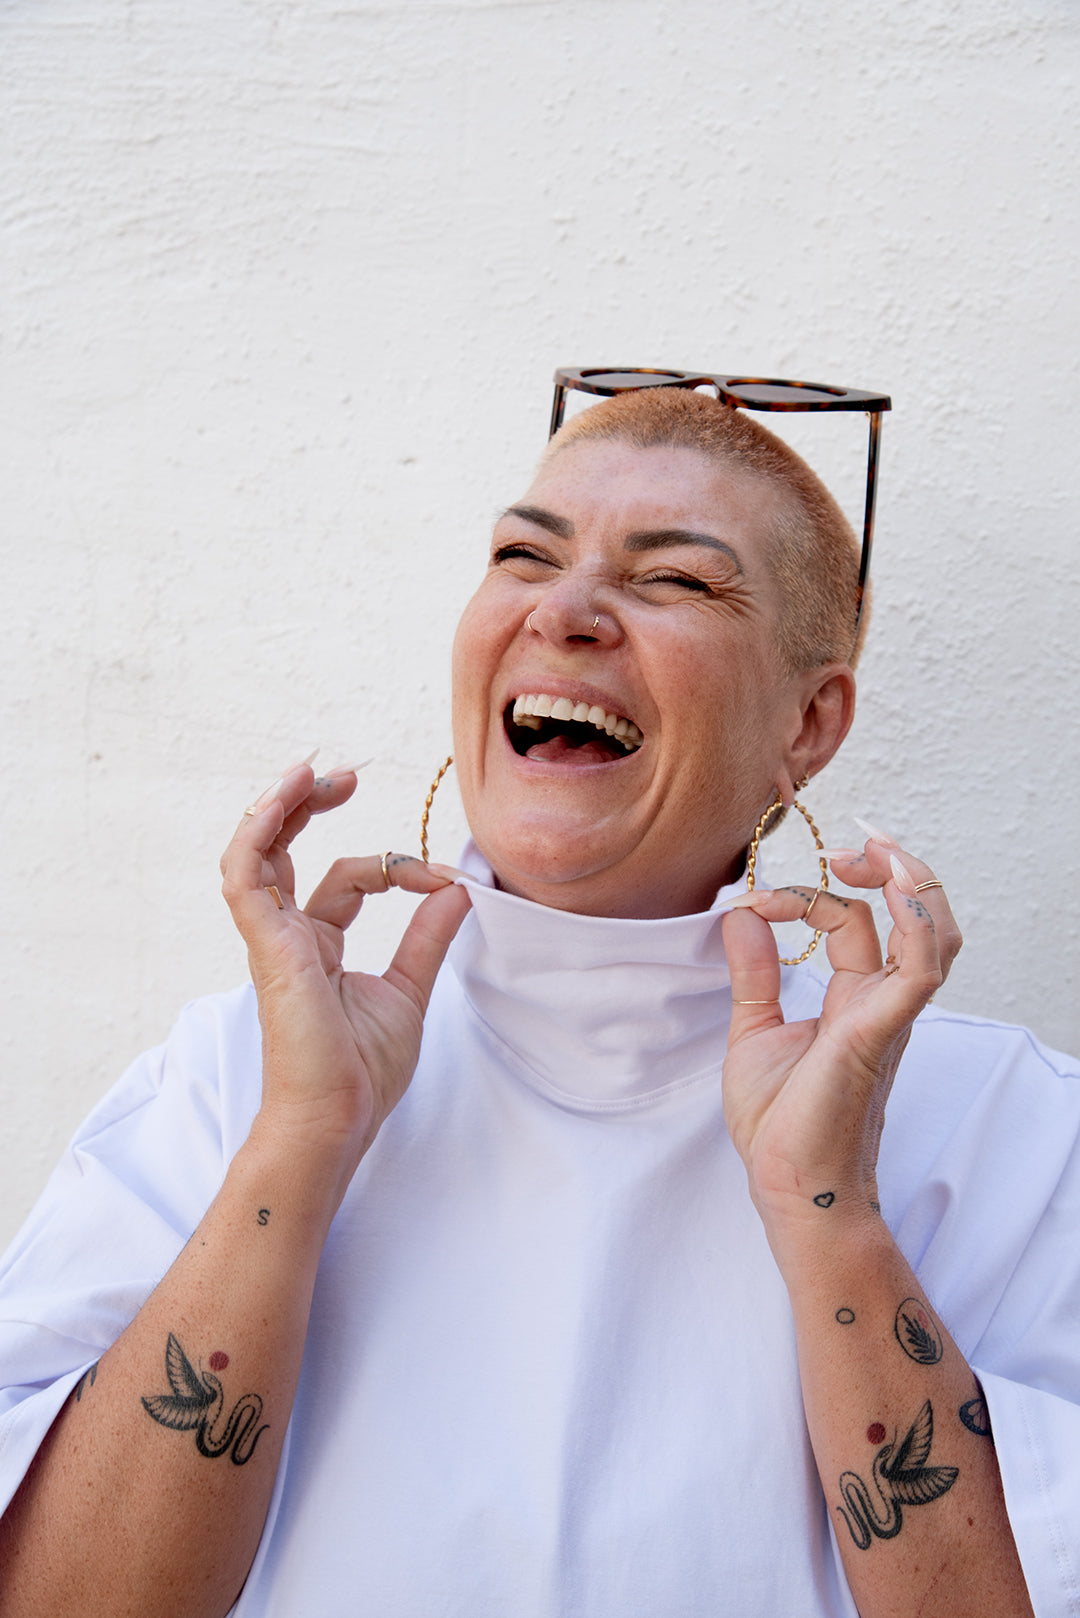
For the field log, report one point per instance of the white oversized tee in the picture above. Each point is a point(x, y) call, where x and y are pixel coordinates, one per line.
point(550, 1371)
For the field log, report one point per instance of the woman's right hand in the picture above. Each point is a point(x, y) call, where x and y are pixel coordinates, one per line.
point(339, 1048)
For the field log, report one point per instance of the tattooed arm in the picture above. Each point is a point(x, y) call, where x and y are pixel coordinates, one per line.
point(150, 1491)
point(896, 1418)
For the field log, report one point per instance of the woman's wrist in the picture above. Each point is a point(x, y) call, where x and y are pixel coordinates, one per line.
point(817, 1231)
point(306, 1175)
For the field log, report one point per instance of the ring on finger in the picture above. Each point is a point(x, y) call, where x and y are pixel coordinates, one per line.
point(385, 869)
point(817, 894)
point(921, 887)
point(275, 895)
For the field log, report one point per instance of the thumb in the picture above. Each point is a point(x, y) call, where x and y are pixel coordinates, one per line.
point(426, 940)
point(754, 966)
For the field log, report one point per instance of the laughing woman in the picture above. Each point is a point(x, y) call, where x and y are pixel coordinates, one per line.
point(492, 1286)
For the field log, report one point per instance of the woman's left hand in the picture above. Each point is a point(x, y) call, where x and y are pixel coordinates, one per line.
point(804, 1102)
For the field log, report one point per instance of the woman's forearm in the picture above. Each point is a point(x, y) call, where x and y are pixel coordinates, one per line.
point(899, 1429)
point(151, 1489)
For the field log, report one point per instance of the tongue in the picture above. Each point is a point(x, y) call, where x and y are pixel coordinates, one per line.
point(558, 750)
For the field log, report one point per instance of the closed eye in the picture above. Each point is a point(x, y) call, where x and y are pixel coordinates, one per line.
point(518, 551)
point(683, 579)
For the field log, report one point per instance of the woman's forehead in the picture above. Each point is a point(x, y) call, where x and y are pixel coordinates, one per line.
point(671, 486)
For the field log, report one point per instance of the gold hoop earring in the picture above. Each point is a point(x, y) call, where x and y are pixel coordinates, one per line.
point(428, 801)
point(823, 886)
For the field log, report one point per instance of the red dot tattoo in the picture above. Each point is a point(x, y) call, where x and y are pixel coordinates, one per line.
point(875, 1432)
point(219, 1361)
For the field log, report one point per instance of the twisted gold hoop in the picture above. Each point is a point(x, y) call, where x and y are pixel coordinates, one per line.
point(823, 886)
point(428, 801)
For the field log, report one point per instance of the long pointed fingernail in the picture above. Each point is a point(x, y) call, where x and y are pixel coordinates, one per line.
point(450, 872)
point(264, 799)
point(902, 876)
point(841, 853)
point(346, 769)
point(742, 901)
point(874, 834)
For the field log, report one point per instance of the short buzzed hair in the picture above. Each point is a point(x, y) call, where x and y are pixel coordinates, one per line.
point(813, 551)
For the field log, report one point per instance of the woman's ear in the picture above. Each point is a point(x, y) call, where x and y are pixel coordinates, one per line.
point(824, 714)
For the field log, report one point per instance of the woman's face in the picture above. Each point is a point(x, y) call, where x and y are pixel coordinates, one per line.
point(667, 551)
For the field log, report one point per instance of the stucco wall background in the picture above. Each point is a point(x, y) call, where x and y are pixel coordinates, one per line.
point(284, 282)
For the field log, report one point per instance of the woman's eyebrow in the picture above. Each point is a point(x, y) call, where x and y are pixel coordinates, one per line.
point(561, 526)
point(656, 539)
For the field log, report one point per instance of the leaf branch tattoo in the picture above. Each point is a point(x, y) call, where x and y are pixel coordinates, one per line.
point(903, 1479)
point(196, 1402)
point(917, 1334)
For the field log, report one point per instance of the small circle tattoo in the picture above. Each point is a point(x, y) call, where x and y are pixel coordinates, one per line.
point(845, 1316)
point(218, 1360)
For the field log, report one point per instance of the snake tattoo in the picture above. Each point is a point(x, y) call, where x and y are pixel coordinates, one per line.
point(196, 1402)
point(903, 1479)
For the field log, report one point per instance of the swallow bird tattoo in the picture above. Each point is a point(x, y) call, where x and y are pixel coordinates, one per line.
point(195, 1404)
point(903, 1479)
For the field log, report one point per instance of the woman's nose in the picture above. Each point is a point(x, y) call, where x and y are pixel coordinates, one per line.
point(574, 611)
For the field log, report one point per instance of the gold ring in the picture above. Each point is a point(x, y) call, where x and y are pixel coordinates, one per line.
point(276, 896)
point(813, 902)
point(755, 1002)
point(385, 872)
point(529, 623)
point(921, 887)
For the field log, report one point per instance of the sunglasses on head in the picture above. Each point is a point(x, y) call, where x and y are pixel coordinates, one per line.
point(745, 393)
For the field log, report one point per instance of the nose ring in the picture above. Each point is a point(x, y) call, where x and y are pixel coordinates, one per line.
point(530, 625)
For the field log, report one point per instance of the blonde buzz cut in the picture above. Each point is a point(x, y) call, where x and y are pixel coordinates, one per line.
point(813, 551)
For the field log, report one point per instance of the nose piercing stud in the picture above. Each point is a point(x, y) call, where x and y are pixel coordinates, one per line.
point(529, 624)
point(596, 620)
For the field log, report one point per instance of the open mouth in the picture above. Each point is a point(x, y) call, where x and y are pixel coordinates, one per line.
point(551, 729)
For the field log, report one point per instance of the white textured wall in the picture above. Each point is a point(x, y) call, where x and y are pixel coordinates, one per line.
point(283, 285)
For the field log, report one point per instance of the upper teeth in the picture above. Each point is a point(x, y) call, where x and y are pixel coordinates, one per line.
point(532, 710)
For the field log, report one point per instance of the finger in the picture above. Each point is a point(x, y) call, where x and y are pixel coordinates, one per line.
point(917, 968)
point(342, 891)
point(916, 881)
point(327, 792)
point(848, 924)
point(426, 941)
point(255, 859)
point(873, 867)
point(754, 965)
point(247, 872)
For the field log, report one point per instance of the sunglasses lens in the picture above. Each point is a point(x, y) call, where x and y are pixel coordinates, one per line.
point(798, 395)
point(619, 381)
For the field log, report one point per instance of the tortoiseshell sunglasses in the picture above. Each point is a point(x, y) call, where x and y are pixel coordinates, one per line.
point(749, 393)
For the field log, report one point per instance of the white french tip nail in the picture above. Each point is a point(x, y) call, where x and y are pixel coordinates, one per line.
point(902, 876)
point(348, 769)
point(312, 756)
point(742, 901)
point(264, 800)
point(875, 834)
